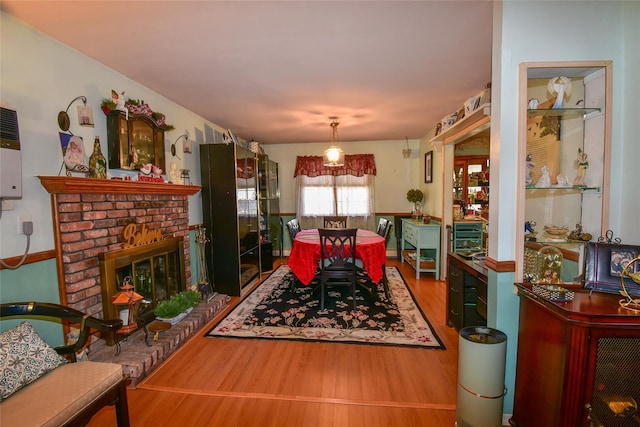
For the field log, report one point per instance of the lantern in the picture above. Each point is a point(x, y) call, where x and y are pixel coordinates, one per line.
point(127, 303)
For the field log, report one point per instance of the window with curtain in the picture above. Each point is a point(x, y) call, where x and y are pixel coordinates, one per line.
point(346, 190)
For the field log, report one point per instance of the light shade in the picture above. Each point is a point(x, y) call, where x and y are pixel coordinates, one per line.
point(334, 156)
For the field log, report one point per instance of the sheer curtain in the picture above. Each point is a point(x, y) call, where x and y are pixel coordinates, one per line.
point(347, 190)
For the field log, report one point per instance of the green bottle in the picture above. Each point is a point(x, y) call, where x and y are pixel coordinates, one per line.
point(97, 162)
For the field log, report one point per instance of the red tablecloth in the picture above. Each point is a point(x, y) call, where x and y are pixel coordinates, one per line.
point(305, 255)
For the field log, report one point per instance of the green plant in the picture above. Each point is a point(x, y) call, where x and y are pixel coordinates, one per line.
point(177, 304)
point(414, 195)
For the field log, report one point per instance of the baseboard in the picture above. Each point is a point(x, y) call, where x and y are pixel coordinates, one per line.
point(505, 419)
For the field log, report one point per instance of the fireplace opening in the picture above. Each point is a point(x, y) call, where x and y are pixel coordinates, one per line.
point(156, 270)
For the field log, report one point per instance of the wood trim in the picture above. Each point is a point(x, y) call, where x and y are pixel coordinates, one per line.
point(76, 185)
point(30, 259)
point(500, 266)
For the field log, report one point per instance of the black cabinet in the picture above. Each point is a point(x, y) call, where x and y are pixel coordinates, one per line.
point(230, 214)
point(466, 294)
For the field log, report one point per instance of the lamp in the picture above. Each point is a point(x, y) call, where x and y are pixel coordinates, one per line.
point(85, 115)
point(127, 302)
point(186, 146)
point(406, 152)
point(334, 156)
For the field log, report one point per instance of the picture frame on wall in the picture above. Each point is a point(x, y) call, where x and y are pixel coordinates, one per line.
point(428, 167)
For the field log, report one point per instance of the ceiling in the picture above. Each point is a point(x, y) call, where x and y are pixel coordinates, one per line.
point(275, 71)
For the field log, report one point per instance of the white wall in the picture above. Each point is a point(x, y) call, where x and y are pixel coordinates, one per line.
point(395, 174)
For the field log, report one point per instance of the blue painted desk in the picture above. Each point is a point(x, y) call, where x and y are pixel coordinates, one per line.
point(422, 236)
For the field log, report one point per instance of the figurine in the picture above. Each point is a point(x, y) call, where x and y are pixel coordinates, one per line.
point(563, 180)
point(545, 180)
point(583, 165)
point(530, 166)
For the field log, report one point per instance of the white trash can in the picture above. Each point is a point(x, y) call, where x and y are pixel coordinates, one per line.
point(481, 365)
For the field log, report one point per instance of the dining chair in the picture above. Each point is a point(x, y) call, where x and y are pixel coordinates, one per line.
point(335, 222)
point(384, 227)
point(294, 228)
point(337, 260)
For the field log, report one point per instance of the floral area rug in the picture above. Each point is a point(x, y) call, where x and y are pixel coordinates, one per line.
point(276, 310)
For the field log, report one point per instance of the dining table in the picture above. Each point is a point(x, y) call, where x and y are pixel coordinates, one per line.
point(305, 254)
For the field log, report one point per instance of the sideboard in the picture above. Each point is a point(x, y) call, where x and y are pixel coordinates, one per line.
point(424, 240)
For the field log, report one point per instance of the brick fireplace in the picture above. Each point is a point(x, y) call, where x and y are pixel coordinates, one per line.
point(89, 216)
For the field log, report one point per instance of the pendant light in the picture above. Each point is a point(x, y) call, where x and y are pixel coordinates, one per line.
point(406, 152)
point(334, 156)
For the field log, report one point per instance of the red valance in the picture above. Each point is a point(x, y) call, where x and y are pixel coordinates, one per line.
point(354, 164)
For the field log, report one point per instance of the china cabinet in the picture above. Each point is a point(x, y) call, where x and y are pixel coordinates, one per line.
point(230, 214)
point(471, 182)
point(269, 210)
point(134, 141)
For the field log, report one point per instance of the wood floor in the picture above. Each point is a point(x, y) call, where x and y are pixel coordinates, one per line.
point(237, 382)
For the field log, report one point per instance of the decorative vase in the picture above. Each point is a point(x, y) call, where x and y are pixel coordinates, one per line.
point(97, 162)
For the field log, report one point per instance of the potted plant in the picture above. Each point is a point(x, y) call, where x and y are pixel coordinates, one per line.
point(416, 196)
point(175, 308)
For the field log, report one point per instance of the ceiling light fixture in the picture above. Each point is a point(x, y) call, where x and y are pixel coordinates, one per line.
point(406, 152)
point(334, 156)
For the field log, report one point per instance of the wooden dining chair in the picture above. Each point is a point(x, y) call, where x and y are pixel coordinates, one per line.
point(337, 260)
point(335, 222)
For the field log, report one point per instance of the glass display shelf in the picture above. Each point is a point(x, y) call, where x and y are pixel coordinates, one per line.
point(561, 112)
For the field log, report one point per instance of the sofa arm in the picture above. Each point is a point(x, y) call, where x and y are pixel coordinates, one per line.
point(54, 312)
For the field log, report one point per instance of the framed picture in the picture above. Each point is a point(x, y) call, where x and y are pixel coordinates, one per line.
point(428, 167)
point(604, 265)
point(73, 154)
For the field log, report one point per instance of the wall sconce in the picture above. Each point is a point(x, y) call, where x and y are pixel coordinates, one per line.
point(186, 145)
point(406, 152)
point(85, 115)
point(127, 303)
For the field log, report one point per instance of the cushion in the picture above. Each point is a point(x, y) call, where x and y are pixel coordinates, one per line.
point(59, 395)
point(24, 357)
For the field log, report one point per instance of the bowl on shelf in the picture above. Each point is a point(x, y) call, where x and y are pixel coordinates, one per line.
point(556, 232)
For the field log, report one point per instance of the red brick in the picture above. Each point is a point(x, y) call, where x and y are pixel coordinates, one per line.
point(68, 198)
point(91, 198)
point(94, 234)
point(70, 237)
point(78, 246)
point(92, 215)
point(103, 206)
point(70, 207)
point(70, 217)
point(76, 226)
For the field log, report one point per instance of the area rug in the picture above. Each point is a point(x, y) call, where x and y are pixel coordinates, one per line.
point(278, 310)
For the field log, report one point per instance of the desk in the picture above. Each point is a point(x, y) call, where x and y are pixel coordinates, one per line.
point(305, 254)
point(422, 236)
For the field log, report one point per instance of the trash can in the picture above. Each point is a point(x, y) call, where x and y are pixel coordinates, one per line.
point(481, 364)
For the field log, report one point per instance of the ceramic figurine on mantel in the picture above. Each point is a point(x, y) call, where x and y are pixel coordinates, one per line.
point(97, 162)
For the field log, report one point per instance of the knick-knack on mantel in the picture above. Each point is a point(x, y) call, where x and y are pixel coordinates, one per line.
point(97, 162)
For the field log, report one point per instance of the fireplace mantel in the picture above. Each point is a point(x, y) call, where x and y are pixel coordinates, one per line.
point(78, 185)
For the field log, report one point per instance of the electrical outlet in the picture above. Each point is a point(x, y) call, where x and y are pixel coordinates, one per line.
point(22, 218)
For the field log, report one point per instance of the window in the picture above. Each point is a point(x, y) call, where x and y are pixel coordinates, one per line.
point(336, 195)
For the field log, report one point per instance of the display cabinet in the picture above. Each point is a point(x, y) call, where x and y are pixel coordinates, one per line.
point(134, 141)
point(565, 152)
point(230, 214)
point(269, 210)
point(577, 361)
point(471, 183)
